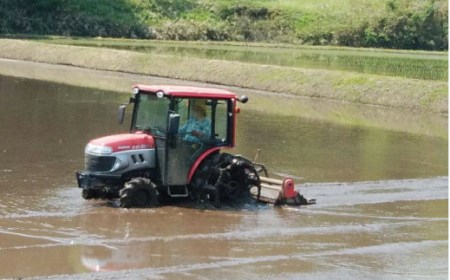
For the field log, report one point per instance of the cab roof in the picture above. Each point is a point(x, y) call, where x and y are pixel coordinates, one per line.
point(187, 91)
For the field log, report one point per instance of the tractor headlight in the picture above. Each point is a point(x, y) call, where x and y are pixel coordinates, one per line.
point(98, 150)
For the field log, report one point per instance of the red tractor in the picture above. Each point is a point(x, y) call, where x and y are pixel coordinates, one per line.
point(173, 151)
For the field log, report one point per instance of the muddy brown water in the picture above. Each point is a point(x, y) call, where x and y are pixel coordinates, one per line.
point(381, 212)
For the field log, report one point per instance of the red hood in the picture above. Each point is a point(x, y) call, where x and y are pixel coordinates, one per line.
point(125, 142)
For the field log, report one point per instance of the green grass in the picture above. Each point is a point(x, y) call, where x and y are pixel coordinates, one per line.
point(402, 24)
point(408, 64)
point(399, 24)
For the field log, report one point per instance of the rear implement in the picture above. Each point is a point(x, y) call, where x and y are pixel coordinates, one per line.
point(277, 191)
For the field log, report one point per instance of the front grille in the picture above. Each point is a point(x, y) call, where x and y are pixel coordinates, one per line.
point(99, 163)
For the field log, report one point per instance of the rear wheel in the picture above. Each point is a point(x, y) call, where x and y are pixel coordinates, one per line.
point(225, 177)
point(139, 193)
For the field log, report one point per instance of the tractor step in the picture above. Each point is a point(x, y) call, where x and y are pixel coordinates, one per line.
point(177, 191)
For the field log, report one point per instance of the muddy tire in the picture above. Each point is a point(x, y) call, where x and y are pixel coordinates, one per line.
point(139, 193)
point(91, 194)
point(232, 185)
point(232, 189)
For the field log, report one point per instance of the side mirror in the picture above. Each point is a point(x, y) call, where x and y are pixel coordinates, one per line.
point(243, 99)
point(174, 124)
point(121, 113)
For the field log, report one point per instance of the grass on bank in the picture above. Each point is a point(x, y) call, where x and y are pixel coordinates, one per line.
point(424, 65)
point(424, 95)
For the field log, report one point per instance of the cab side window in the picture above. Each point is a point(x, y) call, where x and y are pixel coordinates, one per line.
point(221, 127)
point(215, 112)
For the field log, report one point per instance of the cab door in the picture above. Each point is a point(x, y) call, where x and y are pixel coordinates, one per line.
point(181, 153)
point(182, 150)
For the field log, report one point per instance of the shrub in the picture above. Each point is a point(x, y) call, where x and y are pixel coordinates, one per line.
point(403, 24)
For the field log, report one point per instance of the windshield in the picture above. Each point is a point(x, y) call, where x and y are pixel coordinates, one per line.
point(151, 114)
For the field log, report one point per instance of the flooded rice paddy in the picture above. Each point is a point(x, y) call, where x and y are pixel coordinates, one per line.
point(381, 212)
point(416, 65)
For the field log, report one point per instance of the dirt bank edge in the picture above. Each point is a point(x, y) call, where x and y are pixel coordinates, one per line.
point(412, 94)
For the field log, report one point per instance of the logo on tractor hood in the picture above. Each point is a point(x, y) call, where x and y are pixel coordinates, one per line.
point(124, 142)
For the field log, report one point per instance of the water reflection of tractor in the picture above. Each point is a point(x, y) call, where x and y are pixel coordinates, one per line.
point(173, 151)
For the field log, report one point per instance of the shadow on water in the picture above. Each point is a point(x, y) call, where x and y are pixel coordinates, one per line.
point(379, 229)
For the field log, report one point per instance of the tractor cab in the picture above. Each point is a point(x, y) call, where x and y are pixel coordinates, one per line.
point(187, 125)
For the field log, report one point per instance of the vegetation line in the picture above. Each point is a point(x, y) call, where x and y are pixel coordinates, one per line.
point(346, 86)
point(396, 24)
point(424, 65)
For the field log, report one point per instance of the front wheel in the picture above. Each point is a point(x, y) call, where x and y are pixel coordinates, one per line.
point(104, 194)
point(139, 193)
point(91, 194)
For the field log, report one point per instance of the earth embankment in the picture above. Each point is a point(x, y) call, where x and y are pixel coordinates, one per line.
point(412, 94)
